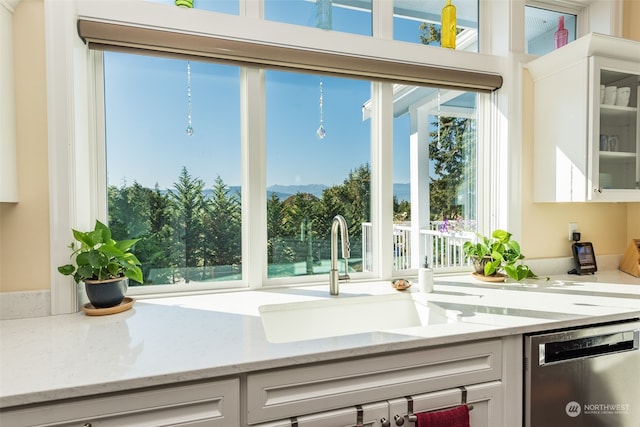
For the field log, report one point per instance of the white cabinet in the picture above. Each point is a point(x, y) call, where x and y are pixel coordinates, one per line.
point(336, 389)
point(8, 167)
point(202, 405)
point(587, 148)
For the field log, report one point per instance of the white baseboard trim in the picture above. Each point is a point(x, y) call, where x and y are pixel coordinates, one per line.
point(20, 305)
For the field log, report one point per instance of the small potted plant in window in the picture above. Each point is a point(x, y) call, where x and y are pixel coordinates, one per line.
point(494, 256)
point(103, 264)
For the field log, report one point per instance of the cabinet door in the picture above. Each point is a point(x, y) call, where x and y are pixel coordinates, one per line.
point(484, 400)
point(560, 157)
point(371, 415)
point(615, 140)
point(202, 405)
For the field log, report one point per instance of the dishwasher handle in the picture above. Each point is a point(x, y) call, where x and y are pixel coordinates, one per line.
point(591, 346)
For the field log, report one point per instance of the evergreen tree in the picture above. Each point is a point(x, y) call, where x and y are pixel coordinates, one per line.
point(222, 225)
point(452, 150)
point(352, 200)
point(278, 250)
point(190, 208)
point(162, 256)
point(299, 214)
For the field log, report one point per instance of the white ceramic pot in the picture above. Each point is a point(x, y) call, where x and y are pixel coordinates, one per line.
point(610, 93)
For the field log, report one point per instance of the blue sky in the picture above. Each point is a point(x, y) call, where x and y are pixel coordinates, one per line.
point(146, 110)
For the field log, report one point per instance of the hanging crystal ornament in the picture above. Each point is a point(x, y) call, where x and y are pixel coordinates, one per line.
point(189, 125)
point(321, 132)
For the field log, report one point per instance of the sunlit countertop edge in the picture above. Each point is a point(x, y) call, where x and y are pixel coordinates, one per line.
point(168, 340)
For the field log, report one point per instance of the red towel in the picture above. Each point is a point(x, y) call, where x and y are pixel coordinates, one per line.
point(454, 417)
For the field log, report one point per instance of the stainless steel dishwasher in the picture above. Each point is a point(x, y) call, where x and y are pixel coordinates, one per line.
point(587, 377)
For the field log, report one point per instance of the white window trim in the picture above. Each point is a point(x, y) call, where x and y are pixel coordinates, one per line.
point(74, 201)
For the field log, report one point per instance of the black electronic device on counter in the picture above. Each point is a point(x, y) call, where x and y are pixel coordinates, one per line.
point(584, 257)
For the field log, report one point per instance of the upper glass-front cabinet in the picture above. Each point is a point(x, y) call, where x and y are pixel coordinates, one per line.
point(586, 131)
point(616, 126)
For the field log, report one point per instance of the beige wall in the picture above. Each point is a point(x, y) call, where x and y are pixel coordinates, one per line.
point(24, 226)
point(630, 27)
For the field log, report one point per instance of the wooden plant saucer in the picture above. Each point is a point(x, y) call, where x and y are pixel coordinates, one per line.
point(496, 278)
point(125, 305)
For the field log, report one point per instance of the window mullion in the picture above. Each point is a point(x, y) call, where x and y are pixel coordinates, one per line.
point(254, 188)
point(382, 15)
point(382, 177)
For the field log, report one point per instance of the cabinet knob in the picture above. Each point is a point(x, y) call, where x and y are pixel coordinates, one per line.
point(399, 419)
point(385, 422)
point(597, 190)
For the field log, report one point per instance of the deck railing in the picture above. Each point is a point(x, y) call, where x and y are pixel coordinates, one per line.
point(443, 249)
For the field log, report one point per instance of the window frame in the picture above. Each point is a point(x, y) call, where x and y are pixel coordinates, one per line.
point(580, 11)
point(76, 164)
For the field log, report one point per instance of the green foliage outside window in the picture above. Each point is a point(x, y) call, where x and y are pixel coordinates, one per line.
point(191, 233)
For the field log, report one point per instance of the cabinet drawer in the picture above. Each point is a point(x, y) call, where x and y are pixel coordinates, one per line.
point(290, 392)
point(208, 404)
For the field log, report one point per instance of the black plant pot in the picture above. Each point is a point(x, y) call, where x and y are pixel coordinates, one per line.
point(106, 293)
point(479, 263)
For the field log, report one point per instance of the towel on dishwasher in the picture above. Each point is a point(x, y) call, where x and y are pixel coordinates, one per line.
point(453, 417)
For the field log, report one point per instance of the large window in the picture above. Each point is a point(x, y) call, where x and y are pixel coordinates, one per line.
point(435, 171)
point(173, 166)
point(318, 166)
point(174, 171)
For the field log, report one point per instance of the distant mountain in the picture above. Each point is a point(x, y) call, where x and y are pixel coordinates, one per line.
point(284, 191)
point(401, 191)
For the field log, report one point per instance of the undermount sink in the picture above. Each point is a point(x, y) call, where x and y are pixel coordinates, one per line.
point(345, 315)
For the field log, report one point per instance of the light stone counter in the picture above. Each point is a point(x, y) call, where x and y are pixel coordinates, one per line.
point(169, 340)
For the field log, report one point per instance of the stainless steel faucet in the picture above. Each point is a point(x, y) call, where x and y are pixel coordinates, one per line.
point(334, 276)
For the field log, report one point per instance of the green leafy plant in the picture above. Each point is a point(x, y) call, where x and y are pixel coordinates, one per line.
point(99, 257)
point(498, 253)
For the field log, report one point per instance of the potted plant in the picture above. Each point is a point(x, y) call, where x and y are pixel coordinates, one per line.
point(494, 255)
point(103, 264)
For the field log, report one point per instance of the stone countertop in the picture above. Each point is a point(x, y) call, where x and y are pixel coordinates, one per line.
point(168, 340)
